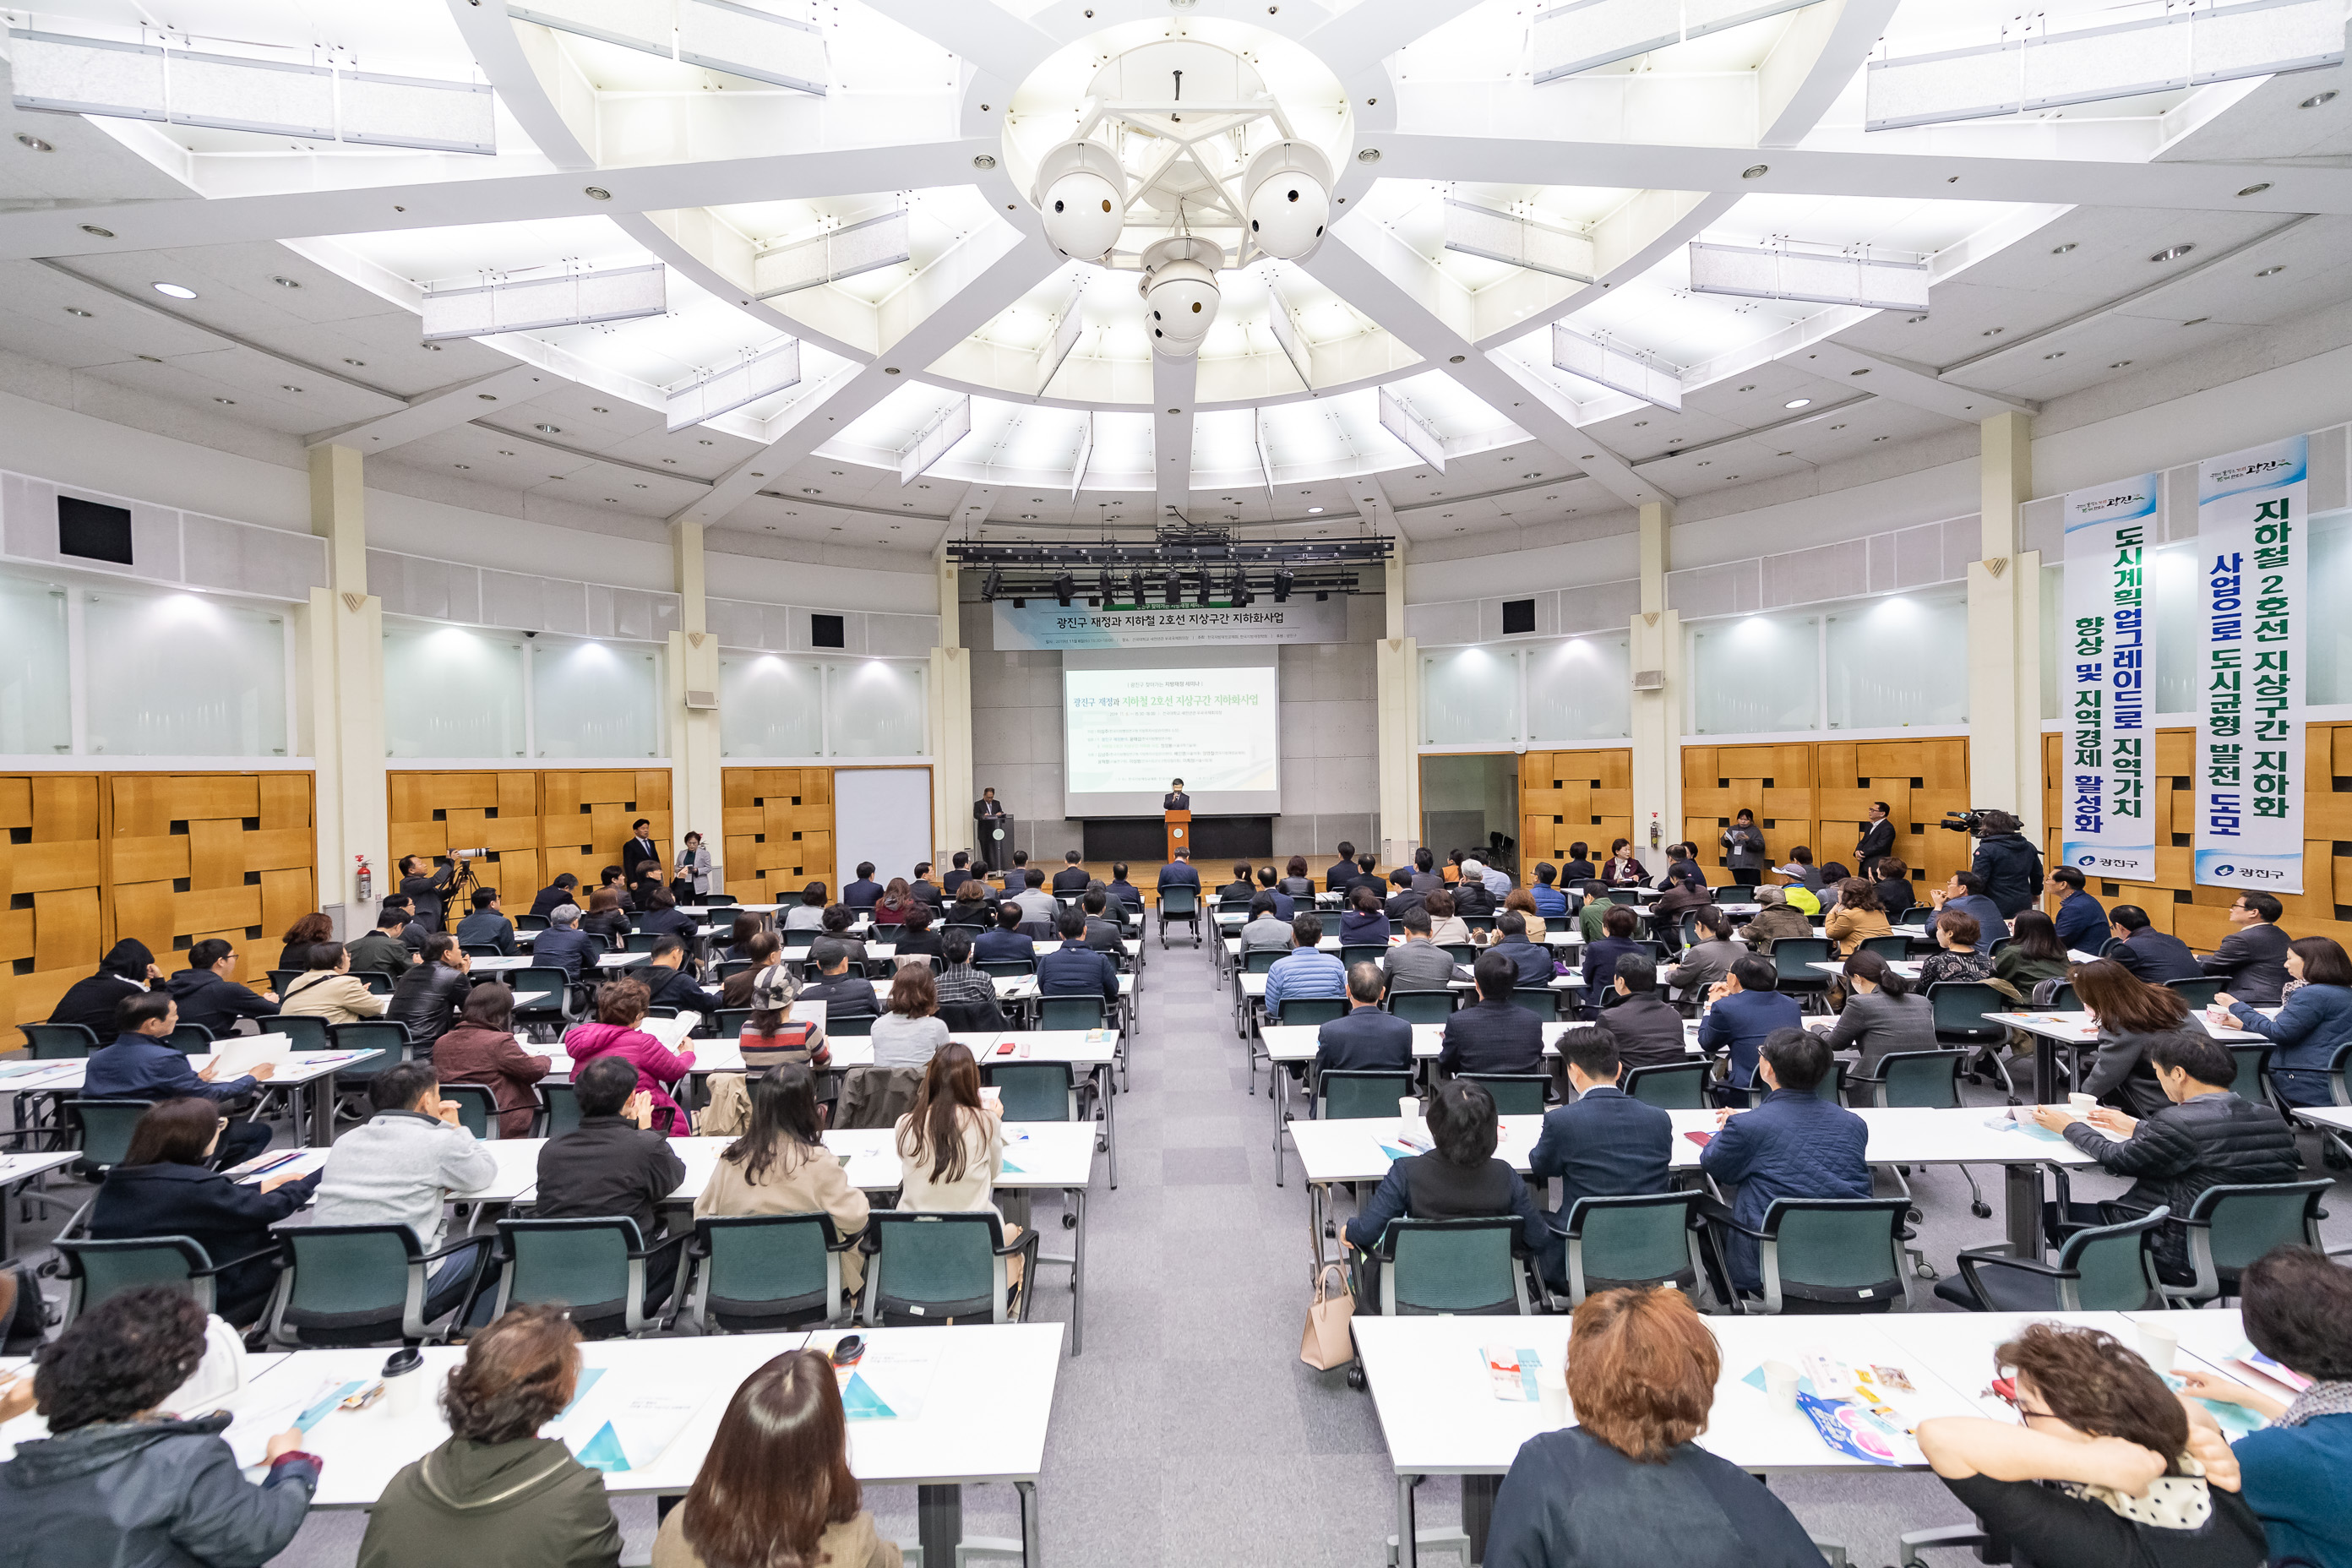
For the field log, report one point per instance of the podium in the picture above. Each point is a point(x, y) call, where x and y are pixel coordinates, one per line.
point(1180, 831)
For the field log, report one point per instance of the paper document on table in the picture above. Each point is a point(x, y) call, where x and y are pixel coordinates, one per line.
point(612, 1427)
point(1511, 1373)
point(2252, 1360)
point(889, 1382)
point(1868, 1433)
point(238, 1056)
point(299, 1404)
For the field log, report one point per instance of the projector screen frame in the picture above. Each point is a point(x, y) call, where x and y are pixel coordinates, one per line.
point(1079, 804)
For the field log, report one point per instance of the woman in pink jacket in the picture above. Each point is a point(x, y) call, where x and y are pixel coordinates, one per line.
point(620, 1008)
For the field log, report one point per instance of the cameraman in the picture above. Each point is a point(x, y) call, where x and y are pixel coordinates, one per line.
point(2009, 863)
point(427, 892)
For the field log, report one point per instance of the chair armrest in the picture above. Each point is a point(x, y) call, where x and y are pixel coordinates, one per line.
point(230, 1263)
point(436, 1254)
point(842, 1243)
point(1988, 1256)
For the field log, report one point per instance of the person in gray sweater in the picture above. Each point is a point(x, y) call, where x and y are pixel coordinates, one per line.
point(402, 1167)
point(1882, 1014)
point(1417, 963)
point(1710, 958)
point(1265, 928)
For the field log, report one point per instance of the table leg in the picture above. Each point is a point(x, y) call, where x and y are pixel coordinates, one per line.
point(1110, 1125)
point(1278, 1092)
point(2021, 1204)
point(1408, 1550)
point(938, 1524)
point(1033, 1546)
point(1077, 1201)
point(1478, 1512)
point(2046, 1089)
point(322, 1111)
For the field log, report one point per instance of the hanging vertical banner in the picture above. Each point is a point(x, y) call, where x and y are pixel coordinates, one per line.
point(2251, 508)
point(2109, 827)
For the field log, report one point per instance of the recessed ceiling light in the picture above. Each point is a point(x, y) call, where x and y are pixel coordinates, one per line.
point(1864, 371)
point(2315, 99)
point(2119, 364)
point(1992, 331)
point(230, 401)
point(2172, 253)
point(592, 409)
point(150, 359)
point(288, 386)
point(1797, 403)
point(2269, 272)
point(28, 138)
point(285, 283)
point(1755, 171)
point(465, 465)
point(91, 229)
point(2060, 354)
point(504, 453)
point(487, 396)
point(76, 310)
point(2199, 321)
point(671, 460)
point(361, 363)
point(2255, 190)
point(552, 429)
point(1313, 510)
point(2062, 249)
point(173, 290)
point(1455, 359)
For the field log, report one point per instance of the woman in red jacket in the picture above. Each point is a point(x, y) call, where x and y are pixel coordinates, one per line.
point(481, 1047)
point(620, 1008)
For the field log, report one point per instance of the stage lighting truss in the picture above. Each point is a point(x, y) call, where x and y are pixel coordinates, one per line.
point(1205, 571)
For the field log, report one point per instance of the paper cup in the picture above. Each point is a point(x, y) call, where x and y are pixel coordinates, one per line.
point(2157, 1343)
point(2081, 1103)
point(1780, 1387)
point(1409, 1109)
point(1551, 1395)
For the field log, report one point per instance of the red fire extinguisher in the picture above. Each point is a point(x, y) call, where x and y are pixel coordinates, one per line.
point(366, 880)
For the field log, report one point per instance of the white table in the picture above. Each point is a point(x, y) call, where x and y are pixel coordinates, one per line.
point(604, 961)
point(2332, 1121)
point(16, 1170)
point(1906, 968)
point(2051, 1030)
point(292, 1071)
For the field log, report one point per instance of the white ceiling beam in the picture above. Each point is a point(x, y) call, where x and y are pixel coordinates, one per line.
point(984, 35)
point(431, 413)
point(1173, 382)
point(490, 36)
point(1793, 104)
point(1903, 381)
point(1369, 31)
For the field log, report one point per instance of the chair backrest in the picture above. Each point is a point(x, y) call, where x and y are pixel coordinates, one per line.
point(551, 984)
point(2242, 1222)
point(348, 1285)
point(1921, 1079)
point(532, 923)
point(1422, 1006)
point(478, 949)
point(1646, 1240)
point(1070, 1013)
point(1793, 958)
point(1354, 1094)
point(1461, 952)
point(1032, 1091)
point(582, 1263)
point(61, 1041)
point(718, 901)
point(2116, 1269)
point(562, 1108)
point(1832, 1086)
point(2251, 1061)
point(478, 1109)
point(1540, 1000)
point(378, 982)
point(729, 1021)
point(280, 979)
point(1515, 1094)
point(1894, 949)
point(1624, 896)
point(1258, 960)
point(641, 940)
point(2198, 991)
point(1006, 966)
point(191, 1039)
point(106, 1127)
point(799, 937)
point(849, 1026)
point(728, 968)
point(1453, 1267)
point(1313, 1009)
point(302, 1033)
point(387, 1040)
point(1183, 900)
point(1960, 1006)
point(1837, 1251)
point(1355, 952)
point(99, 1268)
point(1672, 1086)
point(935, 1265)
point(763, 1271)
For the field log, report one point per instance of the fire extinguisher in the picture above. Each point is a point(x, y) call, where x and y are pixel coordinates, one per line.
point(366, 880)
point(1656, 836)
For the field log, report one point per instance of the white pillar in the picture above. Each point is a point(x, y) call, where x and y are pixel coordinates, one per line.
point(2005, 632)
point(695, 800)
point(340, 689)
point(1657, 728)
point(949, 710)
point(1397, 670)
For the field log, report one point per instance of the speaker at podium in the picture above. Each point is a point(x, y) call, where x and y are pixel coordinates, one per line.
point(1180, 831)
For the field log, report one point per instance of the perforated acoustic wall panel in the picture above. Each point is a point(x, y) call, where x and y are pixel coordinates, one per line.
point(537, 822)
point(2198, 916)
point(50, 872)
point(1566, 797)
point(779, 832)
point(1818, 793)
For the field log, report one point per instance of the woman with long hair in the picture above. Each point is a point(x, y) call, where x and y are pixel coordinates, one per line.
point(620, 1008)
point(606, 918)
point(907, 1035)
point(481, 1047)
point(2033, 954)
point(2132, 1016)
point(892, 906)
point(1855, 918)
point(950, 1143)
point(740, 937)
point(1522, 901)
point(781, 1166)
point(775, 1489)
point(1881, 1014)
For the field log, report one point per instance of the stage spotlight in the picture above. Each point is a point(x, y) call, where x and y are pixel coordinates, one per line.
point(1107, 588)
point(1081, 189)
point(1282, 581)
point(1289, 186)
point(1240, 593)
point(1203, 599)
point(1065, 587)
point(990, 584)
point(1174, 587)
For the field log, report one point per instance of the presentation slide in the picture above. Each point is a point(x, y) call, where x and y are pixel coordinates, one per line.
point(1128, 732)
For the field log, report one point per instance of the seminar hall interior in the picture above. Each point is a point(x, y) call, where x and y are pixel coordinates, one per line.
point(744, 744)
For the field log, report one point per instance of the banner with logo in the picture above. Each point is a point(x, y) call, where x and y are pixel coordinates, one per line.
point(2104, 664)
point(1043, 624)
point(2251, 516)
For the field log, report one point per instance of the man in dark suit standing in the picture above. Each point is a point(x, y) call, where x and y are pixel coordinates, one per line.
point(1179, 873)
point(1494, 1034)
point(1176, 799)
point(1876, 843)
point(641, 857)
point(1603, 1144)
point(1072, 877)
point(1368, 1038)
point(2152, 955)
point(988, 816)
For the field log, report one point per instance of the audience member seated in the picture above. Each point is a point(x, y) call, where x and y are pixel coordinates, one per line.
point(2252, 960)
point(915, 939)
point(2103, 1464)
point(1425, 879)
point(1367, 1038)
point(488, 926)
point(664, 918)
point(2082, 923)
point(208, 994)
point(1363, 921)
point(897, 899)
point(864, 892)
point(412, 936)
point(1459, 1178)
point(967, 995)
point(923, 890)
point(1600, 961)
point(1645, 1026)
point(1745, 1008)
point(1681, 898)
point(1682, 866)
point(1007, 943)
point(1417, 963)
point(1603, 1144)
point(1121, 890)
point(771, 1036)
point(1294, 883)
point(165, 1185)
point(911, 1030)
point(1072, 877)
point(1958, 955)
point(1793, 1144)
point(294, 949)
point(740, 936)
point(1402, 899)
point(137, 1065)
point(809, 913)
point(614, 1163)
point(950, 1143)
point(613, 877)
point(327, 989)
point(1775, 917)
point(2131, 1017)
point(1073, 969)
point(2296, 1308)
point(118, 1480)
point(1342, 874)
point(2315, 1023)
point(2207, 1137)
point(2035, 953)
point(1965, 894)
point(1628, 1483)
point(564, 889)
point(1493, 1033)
point(563, 945)
point(1892, 879)
point(1180, 873)
point(1265, 928)
point(425, 1000)
point(1799, 875)
point(607, 919)
point(1548, 900)
point(1285, 906)
point(1578, 869)
point(756, 952)
point(1472, 896)
point(668, 984)
point(495, 1490)
point(2153, 955)
point(383, 951)
point(1038, 907)
point(1446, 927)
point(1709, 959)
point(781, 1166)
point(481, 1048)
point(620, 1008)
point(1882, 1014)
point(1511, 941)
point(1855, 918)
point(834, 940)
point(1103, 933)
point(775, 1488)
point(1306, 971)
point(402, 1167)
point(971, 907)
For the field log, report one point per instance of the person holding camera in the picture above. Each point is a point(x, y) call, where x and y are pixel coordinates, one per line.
point(427, 891)
point(2007, 860)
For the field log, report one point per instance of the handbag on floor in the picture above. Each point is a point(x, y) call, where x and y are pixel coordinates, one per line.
point(1328, 1343)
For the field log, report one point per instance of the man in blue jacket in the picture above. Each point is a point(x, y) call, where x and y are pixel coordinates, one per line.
point(1179, 873)
point(1533, 960)
point(208, 994)
point(1073, 969)
point(1794, 1144)
point(1745, 1008)
point(140, 1066)
point(2082, 923)
point(1603, 1144)
point(563, 945)
point(1367, 1037)
point(1007, 943)
point(1551, 902)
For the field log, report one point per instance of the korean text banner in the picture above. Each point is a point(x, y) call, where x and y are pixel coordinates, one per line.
point(1043, 624)
point(2251, 533)
point(2105, 658)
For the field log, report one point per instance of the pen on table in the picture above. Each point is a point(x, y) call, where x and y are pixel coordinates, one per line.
point(263, 1169)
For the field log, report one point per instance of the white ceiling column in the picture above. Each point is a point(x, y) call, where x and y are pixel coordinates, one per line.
point(1173, 382)
point(2005, 632)
point(693, 690)
point(341, 631)
point(1656, 728)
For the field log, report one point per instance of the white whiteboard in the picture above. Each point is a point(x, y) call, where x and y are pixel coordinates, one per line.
point(882, 814)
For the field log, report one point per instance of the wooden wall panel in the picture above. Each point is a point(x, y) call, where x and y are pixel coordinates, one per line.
point(2197, 916)
point(1818, 795)
point(778, 832)
point(537, 824)
point(51, 871)
point(1570, 796)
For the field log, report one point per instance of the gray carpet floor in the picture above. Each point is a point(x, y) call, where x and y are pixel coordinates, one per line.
point(1189, 1432)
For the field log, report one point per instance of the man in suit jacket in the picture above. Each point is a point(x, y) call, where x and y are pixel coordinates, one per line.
point(1102, 931)
point(1877, 840)
point(1603, 1144)
point(1425, 879)
point(1534, 960)
point(1176, 799)
point(1367, 1037)
point(924, 889)
point(1179, 873)
point(1072, 877)
point(208, 994)
point(563, 945)
point(564, 889)
point(1007, 942)
point(1342, 874)
point(2081, 922)
point(1400, 897)
point(864, 893)
point(1966, 891)
point(1494, 1034)
point(2153, 955)
point(1073, 969)
point(1417, 963)
point(988, 815)
point(137, 1065)
point(641, 857)
point(2253, 958)
point(1647, 1029)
